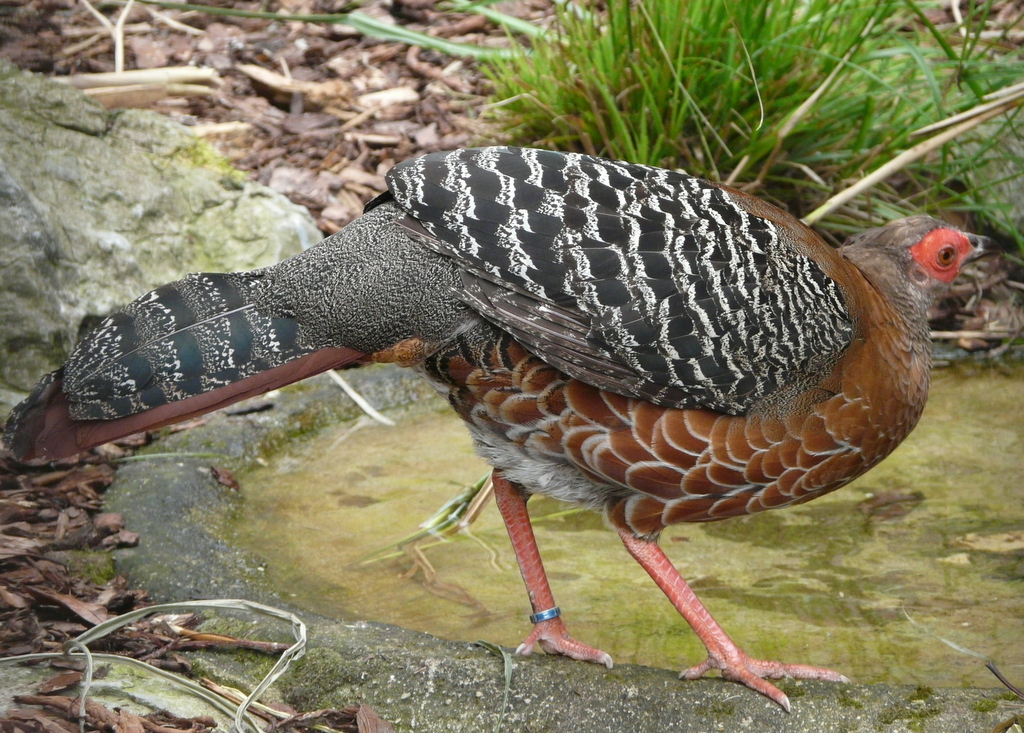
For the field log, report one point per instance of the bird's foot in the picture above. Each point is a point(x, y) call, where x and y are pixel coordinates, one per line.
point(738, 667)
point(554, 639)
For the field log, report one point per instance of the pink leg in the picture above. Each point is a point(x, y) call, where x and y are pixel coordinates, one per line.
point(551, 633)
point(723, 654)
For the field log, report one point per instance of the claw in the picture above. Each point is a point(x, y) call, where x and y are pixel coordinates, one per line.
point(554, 639)
point(738, 667)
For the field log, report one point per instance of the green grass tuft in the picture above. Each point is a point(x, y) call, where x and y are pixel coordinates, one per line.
point(714, 87)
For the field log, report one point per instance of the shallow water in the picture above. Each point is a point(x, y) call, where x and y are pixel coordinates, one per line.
point(881, 590)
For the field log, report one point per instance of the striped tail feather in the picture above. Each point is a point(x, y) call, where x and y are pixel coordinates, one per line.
point(182, 350)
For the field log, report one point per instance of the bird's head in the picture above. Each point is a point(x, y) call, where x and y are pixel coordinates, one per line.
point(912, 261)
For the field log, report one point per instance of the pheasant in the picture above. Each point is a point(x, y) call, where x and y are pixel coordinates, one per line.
point(626, 338)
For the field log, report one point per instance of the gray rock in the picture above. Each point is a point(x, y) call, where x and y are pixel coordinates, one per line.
point(98, 207)
point(421, 683)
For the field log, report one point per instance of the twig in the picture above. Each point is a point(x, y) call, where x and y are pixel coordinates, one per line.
point(999, 676)
point(1004, 92)
point(958, 17)
point(984, 335)
point(358, 398)
point(1004, 347)
point(116, 31)
point(220, 129)
point(359, 119)
point(80, 46)
point(119, 37)
point(143, 95)
point(809, 172)
point(976, 286)
point(237, 696)
point(902, 160)
point(83, 32)
point(168, 75)
point(972, 112)
point(412, 60)
point(799, 113)
point(172, 23)
point(192, 640)
point(373, 138)
point(477, 504)
point(104, 20)
point(737, 170)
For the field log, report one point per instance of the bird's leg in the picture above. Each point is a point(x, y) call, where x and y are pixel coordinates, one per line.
point(549, 632)
point(723, 653)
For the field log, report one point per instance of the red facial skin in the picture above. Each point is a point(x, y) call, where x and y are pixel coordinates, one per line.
point(941, 252)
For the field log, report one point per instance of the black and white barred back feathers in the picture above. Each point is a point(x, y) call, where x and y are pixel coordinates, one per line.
point(636, 279)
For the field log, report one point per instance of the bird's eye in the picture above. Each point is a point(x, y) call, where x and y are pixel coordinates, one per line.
point(946, 256)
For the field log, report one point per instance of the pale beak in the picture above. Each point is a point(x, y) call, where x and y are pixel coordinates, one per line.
point(982, 246)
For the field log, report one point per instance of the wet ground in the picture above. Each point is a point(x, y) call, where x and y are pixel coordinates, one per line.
point(902, 577)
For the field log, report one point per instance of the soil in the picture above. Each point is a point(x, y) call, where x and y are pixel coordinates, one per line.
point(319, 139)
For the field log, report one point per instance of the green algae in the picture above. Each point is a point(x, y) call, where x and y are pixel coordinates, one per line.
point(921, 693)
point(848, 701)
point(95, 566)
point(716, 709)
point(825, 583)
point(793, 688)
point(914, 715)
point(200, 154)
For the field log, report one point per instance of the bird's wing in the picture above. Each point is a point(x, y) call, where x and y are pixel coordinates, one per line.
point(639, 280)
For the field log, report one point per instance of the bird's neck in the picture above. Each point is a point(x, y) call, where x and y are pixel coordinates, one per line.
point(888, 370)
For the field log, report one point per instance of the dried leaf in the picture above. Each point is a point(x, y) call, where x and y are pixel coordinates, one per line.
point(890, 505)
point(60, 682)
point(300, 182)
point(224, 477)
point(90, 612)
point(427, 137)
point(999, 542)
point(297, 124)
point(45, 722)
point(13, 600)
point(128, 722)
point(11, 547)
point(388, 97)
point(353, 174)
point(124, 538)
point(315, 94)
point(108, 522)
point(368, 721)
point(149, 52)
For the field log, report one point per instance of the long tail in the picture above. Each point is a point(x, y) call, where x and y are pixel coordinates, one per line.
point(208, 340)
point(182, 350)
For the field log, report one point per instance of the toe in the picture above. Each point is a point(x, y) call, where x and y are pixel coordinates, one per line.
point(738, 667)
point(554, 639)
point(776, 670)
